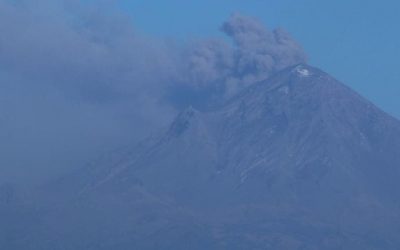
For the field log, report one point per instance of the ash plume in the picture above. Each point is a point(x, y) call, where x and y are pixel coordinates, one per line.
point(218, 70)
point(77, 79)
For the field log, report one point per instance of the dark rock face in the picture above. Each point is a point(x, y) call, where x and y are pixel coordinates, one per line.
point(296, 162)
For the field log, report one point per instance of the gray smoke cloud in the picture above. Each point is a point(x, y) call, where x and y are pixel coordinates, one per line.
point(218, 70)
point(77, 79)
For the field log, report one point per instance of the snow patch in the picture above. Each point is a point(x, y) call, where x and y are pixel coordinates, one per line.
point(302, 71)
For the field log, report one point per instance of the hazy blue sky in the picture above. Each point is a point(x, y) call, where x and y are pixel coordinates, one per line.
point(356, 41)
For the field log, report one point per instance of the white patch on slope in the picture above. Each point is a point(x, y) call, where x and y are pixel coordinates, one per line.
point(302, 71)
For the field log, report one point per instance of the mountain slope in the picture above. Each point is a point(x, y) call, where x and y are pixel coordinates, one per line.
point(299, 161)
point(297, 128)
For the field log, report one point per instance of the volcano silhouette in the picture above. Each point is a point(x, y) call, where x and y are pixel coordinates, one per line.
point(298, 161)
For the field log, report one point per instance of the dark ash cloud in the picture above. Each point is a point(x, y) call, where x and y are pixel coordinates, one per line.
point(261, 52)
point(217, 70)
point(77, 79)
point(74, 81)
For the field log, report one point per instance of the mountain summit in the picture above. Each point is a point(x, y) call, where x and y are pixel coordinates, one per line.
point(298, 161)
point(300, 132)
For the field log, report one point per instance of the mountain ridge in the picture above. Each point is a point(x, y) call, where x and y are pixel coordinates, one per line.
point(205, 126)
point(298, 161)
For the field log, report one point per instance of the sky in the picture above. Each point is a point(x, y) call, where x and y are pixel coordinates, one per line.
point(79, 78)
point(355, 41)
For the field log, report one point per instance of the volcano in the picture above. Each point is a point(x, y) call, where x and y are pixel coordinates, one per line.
point(298, 161)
